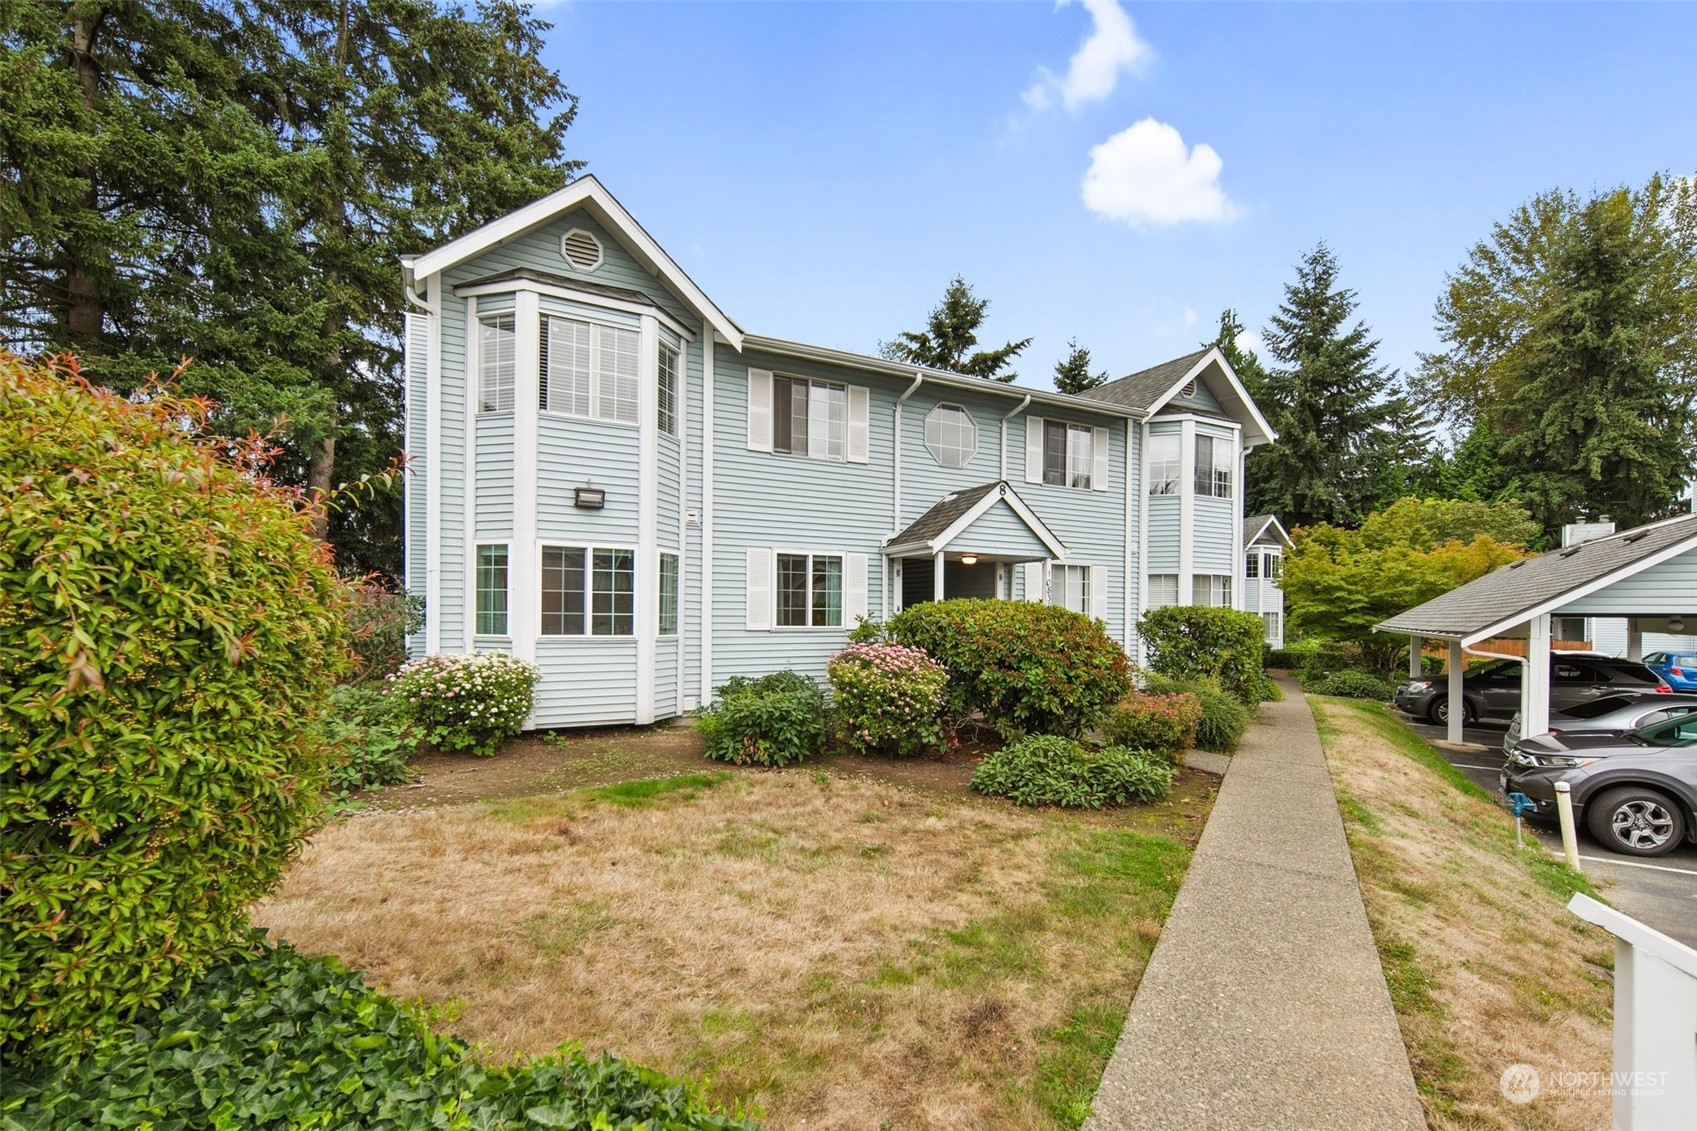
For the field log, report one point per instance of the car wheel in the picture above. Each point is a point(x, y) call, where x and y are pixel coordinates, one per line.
point(1439, 712)
point(1636, 821)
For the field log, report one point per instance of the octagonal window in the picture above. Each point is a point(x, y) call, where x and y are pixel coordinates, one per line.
point(950, 435)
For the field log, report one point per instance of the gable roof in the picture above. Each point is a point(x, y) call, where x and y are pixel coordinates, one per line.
point(1148, 389)
point(953, 513)
point(1515, 593)
point(1256, 525)
point(590, 195)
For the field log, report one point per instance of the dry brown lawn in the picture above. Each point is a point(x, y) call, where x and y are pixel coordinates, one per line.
point(833, 951)
point(1486, 966)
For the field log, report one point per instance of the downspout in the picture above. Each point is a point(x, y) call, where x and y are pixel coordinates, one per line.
point(1015, 411)
point(896, 512)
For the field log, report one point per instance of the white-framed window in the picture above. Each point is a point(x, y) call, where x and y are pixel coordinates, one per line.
point(1069, 454)
point(809, 418)
point(491, 590)
point(1569, 628)
point(588, 370)
point(950, 435)
point(809, 590)
point(1069, 587)
point(1163, 590)
point(1252, 565)
point(1213, 466)
point(497, 356)
point(1213, 589)
point(668, 594)
point(1273, 566)
point(667, 407)
point(588, 591)
point(1164, 463)
point(1270, 623)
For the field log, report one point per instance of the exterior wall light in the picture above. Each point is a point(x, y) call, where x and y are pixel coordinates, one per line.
point(969, 559)
point(589, 498)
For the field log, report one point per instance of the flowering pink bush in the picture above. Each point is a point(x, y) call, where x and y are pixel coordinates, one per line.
point(888, 696)
point(473, 703)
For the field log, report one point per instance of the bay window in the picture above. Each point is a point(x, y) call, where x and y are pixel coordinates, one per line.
point(497, 357)
point(1164, 463)
point(1213, 466)
point(588, 370)
point(491, 591)
point(587, 591)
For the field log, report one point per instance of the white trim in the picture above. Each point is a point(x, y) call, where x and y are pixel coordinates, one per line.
point(647, 514)
point(1272, 520)
point(1215, 357)
point(600, 249)
point(1186, 511)
point(1238, 590)
point(524, 615)
point(609, 214)
point(572, 294)
point(468, 578)
point(433, 470)
point(680, 409)
point(705, 691)
point(589, 546)
point(1142, 533)
point(1647, 939)
point(1005, 494)
point(1132, 483)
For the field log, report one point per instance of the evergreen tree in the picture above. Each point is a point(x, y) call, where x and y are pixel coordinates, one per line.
point(1072, 373)
point(1245, 364)
point(949, 338)
point(1572, 339)
point(1331, 403)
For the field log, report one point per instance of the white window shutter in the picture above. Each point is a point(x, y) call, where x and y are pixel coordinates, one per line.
point(859, 410)
point(1033, 450)
point(759, 589)
point(1099, 454)
point(1035, 589)
point(759, 410)
point(854, 588)
point(1099, 592)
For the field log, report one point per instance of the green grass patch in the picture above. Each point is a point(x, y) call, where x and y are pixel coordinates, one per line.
point(1073, 1055)
point(633, 794)
point(1357, 814)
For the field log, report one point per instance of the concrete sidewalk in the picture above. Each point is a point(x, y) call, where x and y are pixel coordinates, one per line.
point(1264, 1005)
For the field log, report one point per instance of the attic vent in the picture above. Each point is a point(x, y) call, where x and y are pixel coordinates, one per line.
point(1189, 389)
point(1635, 536)
point(1518, 564)
point(1572, 550)
point(581, 249)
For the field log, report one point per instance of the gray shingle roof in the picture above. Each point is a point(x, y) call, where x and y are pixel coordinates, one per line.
point(1526, 585)
point(530, 274)
point(1142, 389)
point(1254, 526)
point(943, 515)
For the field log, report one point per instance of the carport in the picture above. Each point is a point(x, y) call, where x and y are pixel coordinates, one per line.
point(1646, 576)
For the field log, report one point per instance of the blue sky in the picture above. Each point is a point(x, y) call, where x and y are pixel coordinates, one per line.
point(1116, 172)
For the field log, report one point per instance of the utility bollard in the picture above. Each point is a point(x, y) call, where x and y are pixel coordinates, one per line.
point(1564, 810)
point(1520, 803)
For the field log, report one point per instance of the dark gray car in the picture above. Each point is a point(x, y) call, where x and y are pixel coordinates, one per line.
point(1636, 792)
point(1612, 714)
point(1492, 691)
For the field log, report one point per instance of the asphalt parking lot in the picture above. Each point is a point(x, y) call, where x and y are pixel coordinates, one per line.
point(1661, 891)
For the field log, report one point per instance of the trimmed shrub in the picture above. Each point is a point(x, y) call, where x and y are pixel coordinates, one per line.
point(1026, 667)
point(365, 739)
point(1224, 719)
point(1351, 685)
point(380, 620)
point(1154, 721)
point(888, 697)
point(1046, 769)
point(1295, 657)
point(1196, 641)
point(775, 720)
point(169, 632)
point(283, 1041)
point(473, 702)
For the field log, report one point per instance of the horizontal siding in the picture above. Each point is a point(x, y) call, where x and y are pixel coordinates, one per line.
point(580, 453)
point(1650, 593)
point(1215, 549)
point(1162, 550)
point(452, 463)
point(494, 502)
point(585, 682)
point(1000, 531)
point(1260, 596)
point(1202, 399)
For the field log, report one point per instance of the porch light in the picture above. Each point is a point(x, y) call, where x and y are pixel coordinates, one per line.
point(972, 559)
point(1675, 624)
point(589, 498)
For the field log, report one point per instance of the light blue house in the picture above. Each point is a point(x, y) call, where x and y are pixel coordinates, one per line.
point(1264, 543)
point(613, 479)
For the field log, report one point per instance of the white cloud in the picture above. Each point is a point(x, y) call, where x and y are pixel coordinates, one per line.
point(1145, 176)
point(1112, 46)
point(1249, 342)
point(1189, 316)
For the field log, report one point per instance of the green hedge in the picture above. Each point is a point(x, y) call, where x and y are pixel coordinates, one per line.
point(1195, 641)
point(775, 720)
point(282, 1042)
point(1028, 668)
point(1161, 723)
point(1223, 720)
point(1352, 685)
point(1046, 769)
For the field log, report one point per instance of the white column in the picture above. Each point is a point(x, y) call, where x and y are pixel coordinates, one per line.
point(1133, 487)
point(468, 529)
point(937, 576)
point(523, 574)
point(1186, 511)
point(1535, 680)
point(647, 603)
point(681, 698)
point(1142, 533)
point(1414, 644)
point(1634, 639)
point(1458, 713)
point(708, 336)
point(434, 470)
point(1238, 580)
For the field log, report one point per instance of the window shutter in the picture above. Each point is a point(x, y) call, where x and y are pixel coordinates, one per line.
point(759, 410)
point(854, 588)
point(1099, 453)
point(859, 409)
point(759, 590)
point(1099, 592)
point(1035, 589)
point(1033, 451)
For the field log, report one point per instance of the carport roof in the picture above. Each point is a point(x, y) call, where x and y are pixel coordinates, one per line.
point(1519, 591)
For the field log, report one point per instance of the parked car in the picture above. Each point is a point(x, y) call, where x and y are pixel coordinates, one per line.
point(1680, 671)
point(1612, 714)
point(1636, 792)
point(1492, 691)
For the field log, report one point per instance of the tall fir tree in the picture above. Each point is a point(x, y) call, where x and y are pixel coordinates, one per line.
point(1244, 362)
point(1072, 373)
point(1331, 402)
point(950, 338)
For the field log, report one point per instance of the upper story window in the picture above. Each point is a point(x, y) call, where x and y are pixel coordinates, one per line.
point(667, 409)
point(497, 357)
point(950, 435)
point(1164, 463)
point(1213, 466)
point(809, 418)
point(588, 370)
point(1272, 566)
point(1252, 565)
point(1069, 454)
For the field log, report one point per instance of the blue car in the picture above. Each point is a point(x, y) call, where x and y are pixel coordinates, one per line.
point(1679, 671)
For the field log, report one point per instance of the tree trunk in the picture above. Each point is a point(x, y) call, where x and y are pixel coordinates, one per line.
point(85, 310)
point(319, 469)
